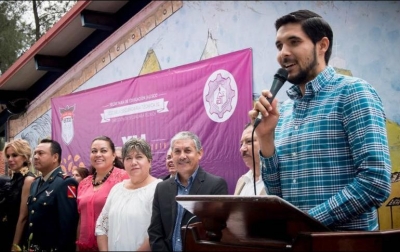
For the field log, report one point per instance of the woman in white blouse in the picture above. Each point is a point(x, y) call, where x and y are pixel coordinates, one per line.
point(123, 222)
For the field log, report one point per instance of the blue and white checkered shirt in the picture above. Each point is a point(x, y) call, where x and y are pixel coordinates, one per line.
point(331, 152)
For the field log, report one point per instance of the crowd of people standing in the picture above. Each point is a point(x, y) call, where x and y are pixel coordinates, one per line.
point(110, 209)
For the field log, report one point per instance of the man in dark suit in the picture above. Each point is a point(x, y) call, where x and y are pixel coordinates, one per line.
point(53, 214)
point(168, 216)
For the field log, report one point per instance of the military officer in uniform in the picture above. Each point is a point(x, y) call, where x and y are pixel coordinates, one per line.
point(53, 214)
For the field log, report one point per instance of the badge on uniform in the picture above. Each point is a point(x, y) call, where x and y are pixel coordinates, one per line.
point(71, 191)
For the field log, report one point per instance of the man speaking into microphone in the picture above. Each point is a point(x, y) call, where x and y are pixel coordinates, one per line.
point(326, 149)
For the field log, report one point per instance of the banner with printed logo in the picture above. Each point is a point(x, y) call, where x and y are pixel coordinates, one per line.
point(210, 98)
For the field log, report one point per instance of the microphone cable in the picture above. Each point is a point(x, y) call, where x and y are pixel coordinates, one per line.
point(184, 235)
point(279, 79)
point(254, 161)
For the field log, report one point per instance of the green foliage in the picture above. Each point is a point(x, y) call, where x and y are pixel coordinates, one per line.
point(12, 36)
point(22, 23)
point(48, 13)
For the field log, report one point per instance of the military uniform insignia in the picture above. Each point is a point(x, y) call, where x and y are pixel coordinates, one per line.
point(71, 191)
point(64, 175)
point(48, 193)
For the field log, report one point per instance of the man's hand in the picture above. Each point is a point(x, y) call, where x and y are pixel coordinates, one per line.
point(269, 114)
point(268, 121)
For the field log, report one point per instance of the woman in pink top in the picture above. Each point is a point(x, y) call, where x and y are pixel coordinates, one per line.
point(94, 189)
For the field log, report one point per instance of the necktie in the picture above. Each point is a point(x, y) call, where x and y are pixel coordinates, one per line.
point(41, 182)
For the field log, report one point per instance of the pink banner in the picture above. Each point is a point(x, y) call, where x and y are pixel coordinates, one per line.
point(210, 98)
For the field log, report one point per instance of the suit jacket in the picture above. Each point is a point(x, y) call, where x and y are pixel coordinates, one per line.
point(53, 212)
point(165, 206)
point(165, 177)
point(241, 183)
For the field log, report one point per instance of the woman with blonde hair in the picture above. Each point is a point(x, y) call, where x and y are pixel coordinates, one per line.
point(17, 155)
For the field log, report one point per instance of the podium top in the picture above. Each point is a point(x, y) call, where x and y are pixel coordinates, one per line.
point(265, 216)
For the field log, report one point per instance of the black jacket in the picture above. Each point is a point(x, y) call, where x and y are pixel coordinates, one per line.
point(164, 212)
point(53, 213)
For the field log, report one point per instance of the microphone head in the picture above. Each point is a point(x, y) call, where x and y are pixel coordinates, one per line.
point(279, 78)
point(282, 74)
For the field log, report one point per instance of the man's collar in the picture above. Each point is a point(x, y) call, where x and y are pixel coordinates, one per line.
point(45, 178)
point(313, 86)
point(191, 178)
point(249, 176)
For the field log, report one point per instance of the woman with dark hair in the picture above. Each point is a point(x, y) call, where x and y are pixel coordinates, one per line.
point(123, 222)
point(94, 189)
point(79, 173)
point(17, 154)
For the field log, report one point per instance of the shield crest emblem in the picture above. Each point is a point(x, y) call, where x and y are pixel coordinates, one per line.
point(67, 124)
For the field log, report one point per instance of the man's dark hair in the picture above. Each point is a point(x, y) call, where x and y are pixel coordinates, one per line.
point(54, 148)
point(312, 24)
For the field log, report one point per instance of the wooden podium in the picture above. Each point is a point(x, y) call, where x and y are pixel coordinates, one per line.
point(267, 223)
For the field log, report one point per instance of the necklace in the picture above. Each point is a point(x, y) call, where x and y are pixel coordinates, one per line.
point(103, 180)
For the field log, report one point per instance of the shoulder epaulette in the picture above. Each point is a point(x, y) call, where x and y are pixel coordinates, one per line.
point(65, 175)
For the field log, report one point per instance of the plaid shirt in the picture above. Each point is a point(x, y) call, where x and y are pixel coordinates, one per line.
point(331, 152)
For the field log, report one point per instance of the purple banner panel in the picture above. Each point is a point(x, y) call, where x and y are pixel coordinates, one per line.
point(211, 98)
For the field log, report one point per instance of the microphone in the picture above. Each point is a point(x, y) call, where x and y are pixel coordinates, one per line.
point(279, 79)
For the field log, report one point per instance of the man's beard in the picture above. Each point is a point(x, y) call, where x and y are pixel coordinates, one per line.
point(304, 74)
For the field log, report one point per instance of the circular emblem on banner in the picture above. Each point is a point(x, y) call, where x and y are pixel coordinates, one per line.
point(220, 95)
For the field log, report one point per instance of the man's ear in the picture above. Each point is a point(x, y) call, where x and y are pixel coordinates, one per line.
point(323, 45)
point(56, 157)
point(201, 153)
